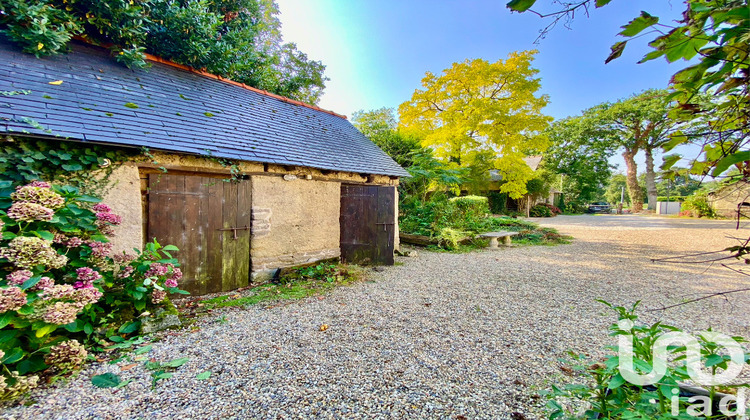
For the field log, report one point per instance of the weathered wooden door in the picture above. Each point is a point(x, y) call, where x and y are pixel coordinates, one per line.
point(368, 216)
point(197, 214)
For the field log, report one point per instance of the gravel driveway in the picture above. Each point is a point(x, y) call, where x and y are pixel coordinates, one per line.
point(441, 336)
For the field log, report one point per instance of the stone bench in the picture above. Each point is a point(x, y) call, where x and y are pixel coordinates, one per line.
point(504, 236)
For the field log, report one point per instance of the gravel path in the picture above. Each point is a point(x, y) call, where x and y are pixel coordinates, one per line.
point(441, 336)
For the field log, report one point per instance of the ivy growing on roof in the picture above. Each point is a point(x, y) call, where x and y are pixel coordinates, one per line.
point(237, 39)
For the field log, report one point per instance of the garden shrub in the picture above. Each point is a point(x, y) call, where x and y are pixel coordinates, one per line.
point(450, 223)
point(542, 210)
point(468, 208)
point(686, 213)
point(498, 202)
point(462, 213)
point(560, 201)
point(421, 218)
point(450, 238)
point(698, 205)
point(59, 282)
point(574, 207)
point(553, 209)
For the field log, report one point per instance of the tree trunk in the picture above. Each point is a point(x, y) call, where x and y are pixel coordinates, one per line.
point(634, 190)
point(650, 179)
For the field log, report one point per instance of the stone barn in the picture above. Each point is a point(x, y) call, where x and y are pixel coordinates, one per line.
point(243, 181)
point(731, 200)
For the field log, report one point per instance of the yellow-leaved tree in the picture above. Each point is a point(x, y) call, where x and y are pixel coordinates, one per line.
point(476, 106)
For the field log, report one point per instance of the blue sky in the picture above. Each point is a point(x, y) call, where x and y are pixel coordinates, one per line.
point(377, 52)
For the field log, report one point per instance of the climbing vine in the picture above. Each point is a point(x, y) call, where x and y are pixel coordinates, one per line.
point(85, 166)
point(235, 173)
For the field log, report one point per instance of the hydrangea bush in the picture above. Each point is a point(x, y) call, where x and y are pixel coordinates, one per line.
point(60, 283)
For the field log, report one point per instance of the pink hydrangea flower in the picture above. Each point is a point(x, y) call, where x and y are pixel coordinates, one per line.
point(41, 195)
point(11, 299)
point(157, 270)
point(86, 277)
point(157, 296)
point(87, 295)
point(28, 212)
point(176, 274)
point(61, 313)
point(101, 207)
point(40, 184)
point(58, 291)
point(44, 283)
point(99, 249)
point(70, 242)
point(125, 272)
point(26, 252)
point(74, 242)
point(107, 230)
point(110, 218)
point(67, 356)
point(124, 258)
point(18, 277)
point(170, 283)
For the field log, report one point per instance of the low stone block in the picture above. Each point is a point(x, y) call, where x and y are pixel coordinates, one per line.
point(159, 321)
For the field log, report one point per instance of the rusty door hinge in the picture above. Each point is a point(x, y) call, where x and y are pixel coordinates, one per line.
point(235, 229)
point(385, 225)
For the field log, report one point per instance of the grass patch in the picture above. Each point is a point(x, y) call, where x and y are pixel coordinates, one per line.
point(298, 283)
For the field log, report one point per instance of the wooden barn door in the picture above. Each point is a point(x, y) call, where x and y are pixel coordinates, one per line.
point(368, 216)
point(197, 214)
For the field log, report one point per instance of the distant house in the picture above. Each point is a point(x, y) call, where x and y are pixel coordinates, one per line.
point(312, 186)
point(522, 204)
point(731, 200)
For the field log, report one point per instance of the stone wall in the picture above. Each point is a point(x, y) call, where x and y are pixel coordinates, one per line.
point(725, 201)
point(295, 214)
point(295, 222)
point(125, 197)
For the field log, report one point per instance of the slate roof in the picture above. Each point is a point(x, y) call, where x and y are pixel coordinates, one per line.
point(177, 110)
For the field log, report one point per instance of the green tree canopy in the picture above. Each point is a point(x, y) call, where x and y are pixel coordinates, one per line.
point(476, 106)
point(237, 39)
point(616, 189)
point(380, 126)
point(581, 155)
point(713, 37)
point(637, 123)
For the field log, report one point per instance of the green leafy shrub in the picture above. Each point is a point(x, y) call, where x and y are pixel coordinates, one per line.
point(450, 238)
point(698, 205)
point(59, 283)
point(540, 210)
point(498, 202)
point(468, 208)
point(574, 208)
point(421, 218)
point(544, 210)
point(560, 201)
point(444, 220)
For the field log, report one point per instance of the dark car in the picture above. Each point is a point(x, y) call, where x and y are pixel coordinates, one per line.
point(600, 207)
